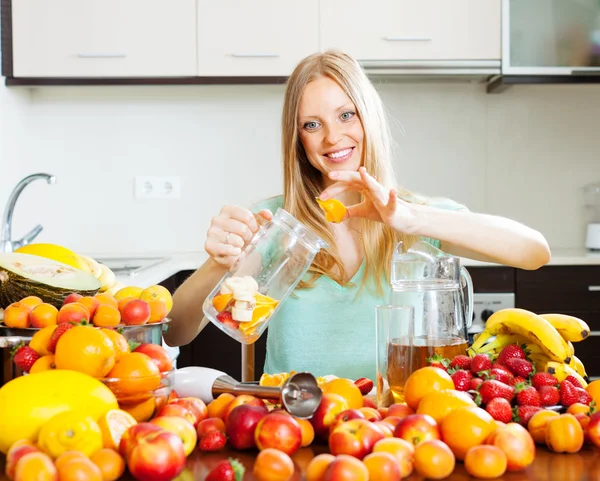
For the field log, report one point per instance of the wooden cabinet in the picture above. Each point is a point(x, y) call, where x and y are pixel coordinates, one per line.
point(255, 37)
point(103, 38)
point(396, 30)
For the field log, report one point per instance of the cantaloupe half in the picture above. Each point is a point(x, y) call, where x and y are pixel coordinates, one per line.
point(23, 275)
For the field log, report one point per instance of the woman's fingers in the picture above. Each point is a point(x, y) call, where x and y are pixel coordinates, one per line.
point(361, 210)
point(376, 190)
point(242, 215)
point(233, 226)
point(339, 188)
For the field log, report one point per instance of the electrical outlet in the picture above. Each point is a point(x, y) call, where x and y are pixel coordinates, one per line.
point(157, 187)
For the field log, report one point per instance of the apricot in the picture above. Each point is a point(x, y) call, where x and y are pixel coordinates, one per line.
point(73, 312)
point(44, 363)
point(91, 303)
point(273, 465)
point(346, 467)
point(537, 424)
point(485, 462)
point(564, 434)
point(73, 297)
point(36, 465)
point(66, 456)
point(382, 467)
point(43, 315)
point(135, 312)
point(16, 315)
point(107, 300)
point(317, 466)
point(217, 408)
point(79, 468)
point(110, 462)
point(121, 302)
point(17, 451)
point(106, 316)
point(401, 449)
point(158, 311)
point(41, 340)
point(434, 459)
point(308, 432)
point(31, 301)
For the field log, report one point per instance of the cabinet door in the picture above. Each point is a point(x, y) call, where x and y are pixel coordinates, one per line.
point(412, 29)
point(255, 37)
point(104, 38)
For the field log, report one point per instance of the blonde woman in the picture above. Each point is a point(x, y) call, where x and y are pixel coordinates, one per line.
point(336, 144)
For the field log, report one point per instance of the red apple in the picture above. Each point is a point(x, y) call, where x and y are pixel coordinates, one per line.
point(172, 409)
point(331, 405)
point(158, 354)
point(182, 428)
point(593, 429)
point(195, 405)
point(279, 431)
point(355, 438)
point(243, 399)
point(416, 428)
point(208, 425)
point(73, 297)
point(241, 423)
point(344, 416)
point(133, 434)
point(17, 451)
point(159, 456)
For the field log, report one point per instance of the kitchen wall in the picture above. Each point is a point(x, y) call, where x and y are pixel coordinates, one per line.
point(525, 153)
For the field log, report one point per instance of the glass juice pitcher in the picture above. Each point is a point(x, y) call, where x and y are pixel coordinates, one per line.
point(268, 270)
point(440, 293)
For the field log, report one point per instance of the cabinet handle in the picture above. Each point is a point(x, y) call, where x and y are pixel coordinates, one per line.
point(101, 55)
point(255, 55)
point(594, 333)
point(407, 39)
point(594, 288)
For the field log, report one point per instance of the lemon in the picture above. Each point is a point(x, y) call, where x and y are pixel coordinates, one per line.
point(68, 431)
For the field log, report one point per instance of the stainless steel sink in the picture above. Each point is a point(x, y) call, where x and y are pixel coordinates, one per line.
point(130, 266)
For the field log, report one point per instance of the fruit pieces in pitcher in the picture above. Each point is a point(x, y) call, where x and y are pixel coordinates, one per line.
point(241, 306)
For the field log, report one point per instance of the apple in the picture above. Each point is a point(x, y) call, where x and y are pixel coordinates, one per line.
point(17, 451)
point(355, 438)
point(330, 406)
point(243, 399)
point(241, 424)
point(172, 409)
point(517, 444)
point(195, 405)
point(133, 434)
point(593, 429)
point(208, 425)
point(73, 297)
point(371, 414)
point(158, 354)
point(416, 428)
point(344, 416)
point(279, 431)
point(158, 456)
point(182, 428)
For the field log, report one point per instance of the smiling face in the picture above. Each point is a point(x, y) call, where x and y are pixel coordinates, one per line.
point(329, 128)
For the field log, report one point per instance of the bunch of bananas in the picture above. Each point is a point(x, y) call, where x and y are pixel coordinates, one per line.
point(546, 338)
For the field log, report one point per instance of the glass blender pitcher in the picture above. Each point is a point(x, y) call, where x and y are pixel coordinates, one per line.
point(440, 293)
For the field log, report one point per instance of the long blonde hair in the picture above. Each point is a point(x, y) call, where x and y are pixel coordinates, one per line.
point(303, 183)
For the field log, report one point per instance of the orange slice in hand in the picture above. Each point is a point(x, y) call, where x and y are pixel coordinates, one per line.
point(113, 425)
point(334, 210)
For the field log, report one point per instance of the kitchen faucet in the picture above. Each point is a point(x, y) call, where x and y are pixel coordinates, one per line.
point(6, 242)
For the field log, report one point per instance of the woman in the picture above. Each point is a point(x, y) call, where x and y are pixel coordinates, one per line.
point(336, 144)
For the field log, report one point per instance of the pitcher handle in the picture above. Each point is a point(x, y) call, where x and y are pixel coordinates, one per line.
point(464, 274)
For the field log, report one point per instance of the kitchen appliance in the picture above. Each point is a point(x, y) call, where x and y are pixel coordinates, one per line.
point(484, 305)
point(300, 394)
point(130, 266)
point(592, 204)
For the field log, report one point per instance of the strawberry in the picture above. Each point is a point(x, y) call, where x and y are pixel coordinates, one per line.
point(573, 380)
point(226, 318)
point(226, 470)
point(212, 441)
point(519, 367)
point(492, 389)
point(365, 385)
point(461, 362)
point(24, 357)
point(438, 361)
point(501, 375)
point(527, 395)
point(568, 393)
point(512, 351)
point(522, 414)
point(462, 380)
point(517, 380)
point(540, 379)
point(475, 383)
point(59, 331)
point(584, 397)
point(500, 409)
point(549, 395)
point(481, 362)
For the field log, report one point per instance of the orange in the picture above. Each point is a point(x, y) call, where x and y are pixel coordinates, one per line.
point(79, 469)
point(262, 299)
point(133, 377)
point(141, 411)
point(40, 340)
point(334, 210)
point(593, 389)
point(118, 339)
point(85, 349)
point(106, 316)
point(439, 403)
point(160, 293)
point(43, 364)
point(113, 424)
point(485, 462)
point(466, 427)
point(218, 407)
point(424, 381)
point(129, 291)
point(346, 389)
point(262, 311)
point(220, 301)
point(110, 462)
point(274, 380)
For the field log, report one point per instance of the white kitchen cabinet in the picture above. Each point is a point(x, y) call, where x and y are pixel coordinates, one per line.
point(255, 37)
point(104, 38)
point(431, 30)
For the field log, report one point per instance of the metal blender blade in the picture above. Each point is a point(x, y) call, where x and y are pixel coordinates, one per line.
point(301, 395)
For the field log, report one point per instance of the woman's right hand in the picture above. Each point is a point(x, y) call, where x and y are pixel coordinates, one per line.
point(230, 231)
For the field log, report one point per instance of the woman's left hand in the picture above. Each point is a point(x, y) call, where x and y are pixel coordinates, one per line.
point(380, 203)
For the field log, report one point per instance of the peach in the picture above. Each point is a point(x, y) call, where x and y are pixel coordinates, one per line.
point(382, 467)
point(399, 410)
point(593, 429)
point(133, 434)
point(73, 297)
point(369, 403)
point(387, 429)
point(317, 466)
point(35, 465)
point(434, 459)
point(402, 450)
point(346, 467)
point(308, 432)
point(73, 312)
point(330, 406)
point(195, 405)
point(182, 428)
point(416, 428)
point(158, 354)
point(217, 408)
point(278, 431)
point(355, 438)
point(240, 400)
point(485, 462)
point(208, 425)
point(121, 302)
point(241, 424)
point(135, 312)
point(273, 465)
point(91, 303)
point(17, 451)
point(584, 421)
point(344, 416)
point(383, 411)
point(43, 315)
point(517, 444)
point(159, 456)
point(371, 414)
point(393, 421)
point(16, 315)
point(178, 410)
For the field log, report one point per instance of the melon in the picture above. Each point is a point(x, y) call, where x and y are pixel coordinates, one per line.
point(23, 275)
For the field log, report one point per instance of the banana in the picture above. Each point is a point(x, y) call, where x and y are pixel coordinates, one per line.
point(569, 327)
point(501, 341)
point(479, 342)
point(561, 371)
point(579, 367)
point(531, 326)
point(107, 278)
